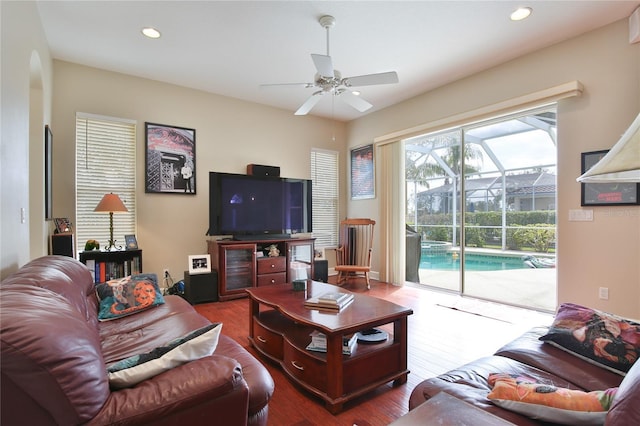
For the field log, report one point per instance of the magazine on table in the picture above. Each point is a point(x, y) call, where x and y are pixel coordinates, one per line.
point(329, 302)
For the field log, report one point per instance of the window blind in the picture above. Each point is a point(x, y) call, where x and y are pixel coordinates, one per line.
point(324, 175)
point(105, 162)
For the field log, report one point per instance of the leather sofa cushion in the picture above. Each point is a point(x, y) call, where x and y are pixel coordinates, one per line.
point(146, 330)
point(625, 409)
point(69, 279)
point(52, 353)
point(470, 384)
point(586, 376)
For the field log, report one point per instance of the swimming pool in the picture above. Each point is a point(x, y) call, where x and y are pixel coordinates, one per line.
point(473, 262)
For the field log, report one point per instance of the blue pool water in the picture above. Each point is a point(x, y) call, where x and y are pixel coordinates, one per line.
point(473, 262)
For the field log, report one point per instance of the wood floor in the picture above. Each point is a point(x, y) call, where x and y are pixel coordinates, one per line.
point(440, 338)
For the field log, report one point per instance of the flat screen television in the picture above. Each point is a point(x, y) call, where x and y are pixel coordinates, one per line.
point(245, 206)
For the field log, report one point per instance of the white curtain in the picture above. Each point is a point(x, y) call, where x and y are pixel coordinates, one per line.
point(392, 212)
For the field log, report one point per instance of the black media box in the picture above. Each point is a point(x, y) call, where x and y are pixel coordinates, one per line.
point(321, 270)
point(200, 288)
point(260, 170)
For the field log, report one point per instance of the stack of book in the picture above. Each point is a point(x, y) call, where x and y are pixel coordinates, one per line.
point(319, 342)
point(330, 301)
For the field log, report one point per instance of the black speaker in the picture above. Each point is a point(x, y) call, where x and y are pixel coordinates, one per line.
point(200, 288)
point(321, 270)
point(260, 170)
point(62, 244)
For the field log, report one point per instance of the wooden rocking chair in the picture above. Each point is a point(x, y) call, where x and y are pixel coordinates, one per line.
point(353, 255)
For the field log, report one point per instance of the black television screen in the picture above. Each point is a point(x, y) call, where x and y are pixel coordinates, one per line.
point(244, 205)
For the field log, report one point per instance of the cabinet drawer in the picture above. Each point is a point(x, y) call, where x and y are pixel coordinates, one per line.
point(268, 265)
point(305, 367)
point(266, 340)
point(270, 279)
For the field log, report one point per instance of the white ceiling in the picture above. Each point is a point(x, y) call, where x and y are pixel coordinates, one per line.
point(232, 47)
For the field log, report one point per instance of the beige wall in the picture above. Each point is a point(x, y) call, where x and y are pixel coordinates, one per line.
point(26, 107)
point(605, 252)
point(229, 135)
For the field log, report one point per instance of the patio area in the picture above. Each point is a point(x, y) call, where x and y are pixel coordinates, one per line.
point(531, 288)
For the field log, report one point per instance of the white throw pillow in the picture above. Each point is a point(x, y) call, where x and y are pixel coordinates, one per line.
point(135, 369)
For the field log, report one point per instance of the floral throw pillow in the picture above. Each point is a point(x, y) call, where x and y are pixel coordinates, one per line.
point(607, 340)
point(128, 295)
point(550, 403)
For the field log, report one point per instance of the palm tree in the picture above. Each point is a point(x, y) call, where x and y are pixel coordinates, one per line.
point(418, 169)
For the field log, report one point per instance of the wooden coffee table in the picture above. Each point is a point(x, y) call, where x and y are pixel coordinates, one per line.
point(280, 328)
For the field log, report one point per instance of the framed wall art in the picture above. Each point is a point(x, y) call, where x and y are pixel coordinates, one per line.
point(199, 264)
point(48, 173)
point(606, 194)
point(62, 225)
point(170, 159)
point(362, 173)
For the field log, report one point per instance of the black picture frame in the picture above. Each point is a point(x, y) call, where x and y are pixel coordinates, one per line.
point(170, 158)
point(363, 173)
point(606, 194)
point(130, 242)
point(48, 173)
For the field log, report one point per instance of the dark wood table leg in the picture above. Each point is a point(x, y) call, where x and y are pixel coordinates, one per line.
point(254, 309)
point(400, 336)
point(335, 388)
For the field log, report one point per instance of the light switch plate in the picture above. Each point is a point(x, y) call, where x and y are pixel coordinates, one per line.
point(581, 215)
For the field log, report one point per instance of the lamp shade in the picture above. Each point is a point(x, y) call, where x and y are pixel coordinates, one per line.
point(622, 162)
point(111, 203)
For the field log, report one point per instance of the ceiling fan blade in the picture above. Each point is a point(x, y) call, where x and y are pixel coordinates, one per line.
point(355, 101)
point(309, 103)
point(287, 84)
point(323, 64)
point(371, 79)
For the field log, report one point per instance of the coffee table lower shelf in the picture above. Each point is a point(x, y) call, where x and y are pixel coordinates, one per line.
point(336, 382)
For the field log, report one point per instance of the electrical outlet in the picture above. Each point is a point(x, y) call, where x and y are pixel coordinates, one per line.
point(603, 293)
point(165, 272)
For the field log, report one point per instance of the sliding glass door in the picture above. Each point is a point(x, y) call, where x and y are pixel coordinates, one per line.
point(492, 185)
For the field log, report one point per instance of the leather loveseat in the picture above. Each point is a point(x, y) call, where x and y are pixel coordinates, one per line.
point(55, 353)
point(528, 356)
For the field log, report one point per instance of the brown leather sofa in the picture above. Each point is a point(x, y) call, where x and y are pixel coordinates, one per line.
point(528, 356)
point(55, 352)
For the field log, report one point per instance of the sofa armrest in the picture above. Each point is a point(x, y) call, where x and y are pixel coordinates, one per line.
point(196, 392)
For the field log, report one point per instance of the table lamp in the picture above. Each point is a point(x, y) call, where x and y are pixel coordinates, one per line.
point(113, 204)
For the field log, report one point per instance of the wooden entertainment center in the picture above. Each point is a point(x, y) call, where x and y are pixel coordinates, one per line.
point(246, 263)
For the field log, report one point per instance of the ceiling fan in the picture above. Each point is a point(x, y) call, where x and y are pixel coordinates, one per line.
point(330, 81)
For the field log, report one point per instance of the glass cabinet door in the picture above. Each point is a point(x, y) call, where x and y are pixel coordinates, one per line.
point(299, 260)
point(239, 261)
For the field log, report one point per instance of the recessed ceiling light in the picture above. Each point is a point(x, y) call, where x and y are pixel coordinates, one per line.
point(521, 13)
point(151, 32)
point(356, 92)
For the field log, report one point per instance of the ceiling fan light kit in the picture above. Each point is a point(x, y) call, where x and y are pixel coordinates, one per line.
point(329, 80)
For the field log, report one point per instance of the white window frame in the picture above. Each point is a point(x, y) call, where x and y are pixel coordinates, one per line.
point(105, 162)
point(325, 190)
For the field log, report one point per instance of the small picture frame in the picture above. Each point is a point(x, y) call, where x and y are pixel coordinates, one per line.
point(363, 174)
point(199, 264)
point(130, 242)
point(63, 225)
point(606, 194)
